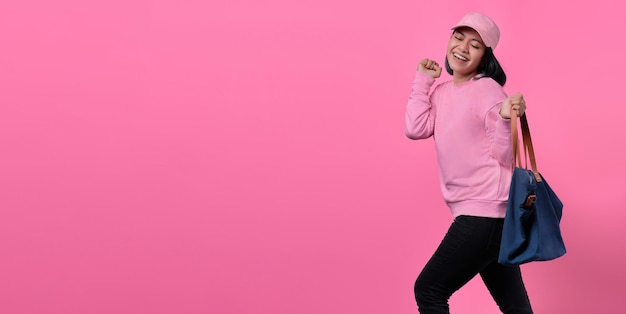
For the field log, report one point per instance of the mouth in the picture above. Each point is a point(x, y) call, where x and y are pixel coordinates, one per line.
point(460, 57)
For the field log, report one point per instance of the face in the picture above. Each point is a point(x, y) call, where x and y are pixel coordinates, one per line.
point(465, 53)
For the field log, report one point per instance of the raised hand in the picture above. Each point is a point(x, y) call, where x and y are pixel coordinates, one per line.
point(429, 67)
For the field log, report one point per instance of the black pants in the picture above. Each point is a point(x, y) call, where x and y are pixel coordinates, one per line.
point(470, 247)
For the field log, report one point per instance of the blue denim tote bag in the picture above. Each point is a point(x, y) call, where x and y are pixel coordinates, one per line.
point(531, 229)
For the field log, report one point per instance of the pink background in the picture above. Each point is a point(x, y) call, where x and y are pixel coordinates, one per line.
point(249, 156)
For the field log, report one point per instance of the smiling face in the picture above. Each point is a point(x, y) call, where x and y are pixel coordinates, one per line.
point(465, 53)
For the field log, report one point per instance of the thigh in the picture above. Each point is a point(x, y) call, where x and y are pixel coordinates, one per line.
point(507, 288)
point(462, 254)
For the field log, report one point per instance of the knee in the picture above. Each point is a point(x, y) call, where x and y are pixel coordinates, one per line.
point(423, 292)
point(427, 295)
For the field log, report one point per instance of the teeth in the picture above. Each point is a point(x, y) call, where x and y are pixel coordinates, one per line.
point(458, 56)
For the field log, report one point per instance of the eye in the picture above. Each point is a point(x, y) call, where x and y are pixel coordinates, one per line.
point(476, 44)
point(458, 37)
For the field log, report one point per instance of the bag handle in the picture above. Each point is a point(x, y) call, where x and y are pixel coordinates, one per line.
point(529, 152)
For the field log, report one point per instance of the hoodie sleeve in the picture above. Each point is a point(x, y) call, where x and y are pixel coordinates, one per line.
point(420, 117)
point(499, 134)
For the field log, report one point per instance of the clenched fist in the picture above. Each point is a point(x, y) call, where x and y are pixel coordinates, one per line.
point(429, 67)
point(514, 102)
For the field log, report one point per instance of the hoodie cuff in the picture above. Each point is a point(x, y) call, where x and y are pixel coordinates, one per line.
point(422, 82)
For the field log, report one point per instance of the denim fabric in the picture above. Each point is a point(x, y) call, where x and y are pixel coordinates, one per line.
point(470, 247)
point(531, 232)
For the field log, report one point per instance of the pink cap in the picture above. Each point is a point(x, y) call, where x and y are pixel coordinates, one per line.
point(486, 28)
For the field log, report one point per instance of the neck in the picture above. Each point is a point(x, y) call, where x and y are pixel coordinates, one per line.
point(458, 78)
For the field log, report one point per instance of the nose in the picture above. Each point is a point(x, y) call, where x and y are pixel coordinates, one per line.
point(464, 45)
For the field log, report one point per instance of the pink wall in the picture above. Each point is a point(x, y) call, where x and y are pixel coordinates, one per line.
point(249, 156)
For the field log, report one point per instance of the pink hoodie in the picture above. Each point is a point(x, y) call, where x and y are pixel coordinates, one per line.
point(472, 140)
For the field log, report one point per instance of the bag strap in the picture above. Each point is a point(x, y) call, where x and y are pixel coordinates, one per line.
point(529, 152)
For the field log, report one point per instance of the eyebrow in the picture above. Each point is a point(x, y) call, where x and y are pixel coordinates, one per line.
point(474, 39)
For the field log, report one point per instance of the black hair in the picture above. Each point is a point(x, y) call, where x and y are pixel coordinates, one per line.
point(489, 67)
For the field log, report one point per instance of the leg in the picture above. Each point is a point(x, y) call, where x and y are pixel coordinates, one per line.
point(462, 254)
point(507, 288)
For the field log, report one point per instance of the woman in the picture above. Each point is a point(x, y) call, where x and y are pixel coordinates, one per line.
point(469, 119)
